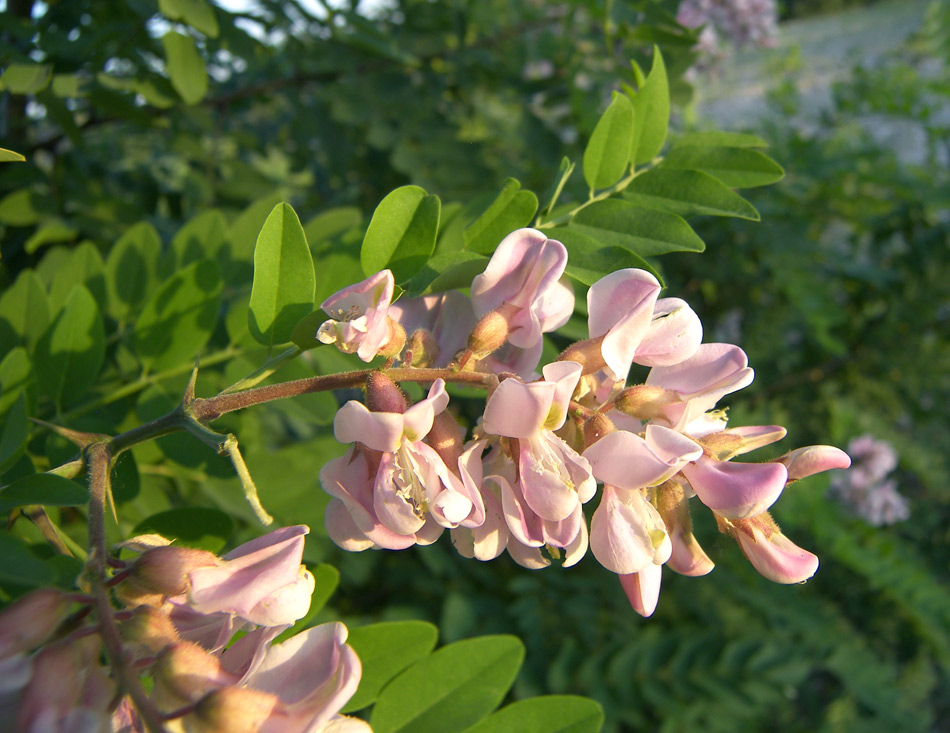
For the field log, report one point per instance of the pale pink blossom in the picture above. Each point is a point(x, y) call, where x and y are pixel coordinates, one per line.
point(643, 589)
point(521, 281)
point(447, 316)
point(359, 316)
point(714, 371)
point(553, 478)
point(813, 459)
point(261, 581)
point(736, 490)
point(410, 494)
point(771, 553)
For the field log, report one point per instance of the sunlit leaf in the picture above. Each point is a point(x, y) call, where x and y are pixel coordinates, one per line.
point(196, 13)
point(608, 151)
point(651, 105)
point(186, 68)
point(283, 286)
point(687, 193)
point(643, 231)
point(25, 78)
point(735, 167)
point(511, 209)
point(401, 234)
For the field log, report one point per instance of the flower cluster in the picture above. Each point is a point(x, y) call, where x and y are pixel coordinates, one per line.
point(866, 488)
point(737, 22)
point(183, 610)
point(546, 440)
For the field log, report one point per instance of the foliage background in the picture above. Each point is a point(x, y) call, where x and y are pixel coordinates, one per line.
point(840, 296)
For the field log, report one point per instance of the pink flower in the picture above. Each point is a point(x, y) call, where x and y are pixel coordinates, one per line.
point(736, 490)
point(643, 589)
point(261, 581)
point(521, 281)
point(447, 316)
point(813, 459)
point(714, 371)
point(553, 478)
point(771, 553)
point(411, 486)
point(627, 531)
point(358, 316)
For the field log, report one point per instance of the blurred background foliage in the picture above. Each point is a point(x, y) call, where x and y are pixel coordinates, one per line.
point(160, 133)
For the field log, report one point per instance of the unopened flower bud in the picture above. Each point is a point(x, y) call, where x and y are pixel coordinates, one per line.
point(596, 427)
point(150, 628)
point(29, 621)
point(726, 444)
point(446, 438)
point(813, 459)
point(645, 401)
point(489, 334)
point(232, 709)
point(687, 557)
point(384, 395)
point(587, 354)
point(184, 672)
point(423, 349)
point(396, 341)
point(165, 570)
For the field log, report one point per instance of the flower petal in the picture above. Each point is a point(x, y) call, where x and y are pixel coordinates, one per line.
point(736, 490)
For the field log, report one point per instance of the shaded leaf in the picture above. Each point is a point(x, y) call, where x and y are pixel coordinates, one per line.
point(84, 267)
point(46, 489)
point(450, 690)
point(13, 432)
point(332, 223)
point(20, 565)
point(283, 287)
point(511, 209)
point(130, 267)
point(643, 231)
point(735, 167)
point(201, 238)
point(553, 193)
point(201, 527)
point(687, 193)
point(608, 150)
point(447, 272)
point(24, 312)
point(401, 234)
point(385, 650)
point(70, 352)
point(16, 377)
point(720, 138)
point(178, 319)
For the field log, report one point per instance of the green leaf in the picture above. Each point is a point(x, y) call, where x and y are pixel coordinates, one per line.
point(564, 172)
point(304, 334)
point(196, 13)
point(9, 156)
point(545, 714)
point(130, 268)
point(21, 208)
point(24, 311)
point(70, 353)
point(20, 565)
point(651, 106)
point(46, 489)
point(49, 233)
point(588, 261)
point(719, 138)
point(178, 319)
point(16, 378)
point(25, 78)
point(385, 650)
point(85, 267)
point(332, 223)
point(735, 167)
point(401, 234)
point(186, 68)
point(201, 238)
point(68, 85)
point(13, 432)
point(511, 209)
point(283, 286)
point(608, 151)
point(687, 193)
point(446, 272)
point(201, 527)
point(643, 231)
point(236, 259)
point(450, 690)
point(334, 271)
